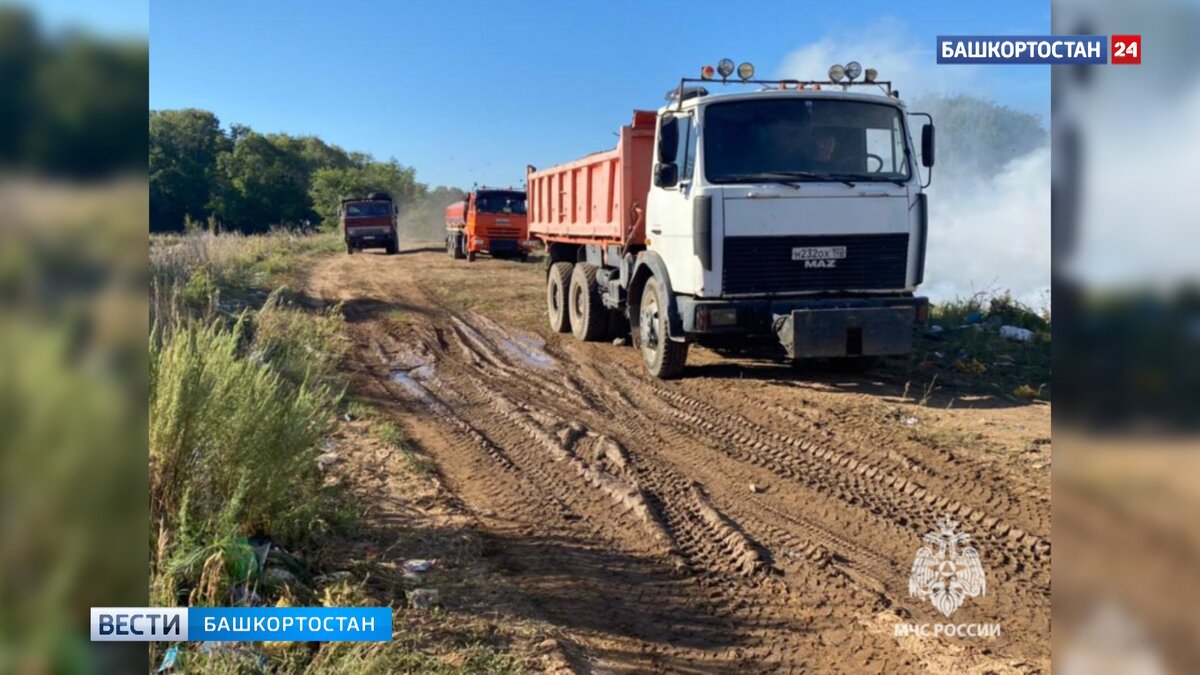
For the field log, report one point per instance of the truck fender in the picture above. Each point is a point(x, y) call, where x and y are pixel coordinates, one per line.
point(649, 264)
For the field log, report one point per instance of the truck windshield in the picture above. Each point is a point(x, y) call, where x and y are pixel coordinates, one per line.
point(361, 209)
point(803, 139)
point(500, 202)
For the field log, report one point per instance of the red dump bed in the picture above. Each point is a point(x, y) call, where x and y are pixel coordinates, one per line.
point(600, 198)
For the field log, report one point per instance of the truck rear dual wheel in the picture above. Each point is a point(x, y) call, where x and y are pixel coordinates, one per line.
point(589, 316)
point(664, 357)
point(558, 278)
point(458, 247)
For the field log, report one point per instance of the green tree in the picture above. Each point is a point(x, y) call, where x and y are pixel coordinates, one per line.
point(184, 145)
point(330, 185)
point(263, 182)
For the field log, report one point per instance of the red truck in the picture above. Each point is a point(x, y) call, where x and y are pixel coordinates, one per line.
point(488, 221)
point(370, 223)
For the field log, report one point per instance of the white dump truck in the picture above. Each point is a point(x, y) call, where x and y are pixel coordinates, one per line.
point(793, 211)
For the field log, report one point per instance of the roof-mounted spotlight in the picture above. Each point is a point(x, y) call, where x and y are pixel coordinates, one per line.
point(706, 73)
point(853, 70)
point(745, 70)
point(871, 75)
point(836, 73)
point(724, 68)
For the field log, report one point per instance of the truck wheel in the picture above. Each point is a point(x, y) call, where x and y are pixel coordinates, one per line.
point(349, 249)
point(460, 247)
point(663, 356)
point(392, 248)
point(589, 316)
point(557, 280)
point(471, 256)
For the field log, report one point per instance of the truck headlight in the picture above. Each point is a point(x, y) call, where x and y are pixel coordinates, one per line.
point(724, 316)
point(479, 241)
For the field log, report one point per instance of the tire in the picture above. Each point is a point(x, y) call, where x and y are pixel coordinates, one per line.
point(392, 248)
point(459, 246)
point(349, 248)
point(589, 316)
point(470, 256)
point(557, 281)
point(663, 356)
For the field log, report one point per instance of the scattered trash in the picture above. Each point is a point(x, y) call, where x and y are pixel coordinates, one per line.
point(935, 331)
point(417, 566)
point(1016, 334)
point(277, 577)
point(169, 659)
point(974, 317)
point(910, 422)
point(348, 417)
point(327, 459)
point(333, 577)
point(757, 488)
point(1025, 391)
point(619, 342)
point(240, 560)
point(245, 597)
point(424, 598)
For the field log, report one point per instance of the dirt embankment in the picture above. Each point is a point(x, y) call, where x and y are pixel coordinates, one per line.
point(749, 517)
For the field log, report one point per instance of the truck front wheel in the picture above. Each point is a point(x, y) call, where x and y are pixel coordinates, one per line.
point(557, 280)
point(589, 317)
point(349, 248)
point(664, 357)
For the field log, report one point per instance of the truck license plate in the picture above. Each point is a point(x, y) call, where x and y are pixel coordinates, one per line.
point(819, 253)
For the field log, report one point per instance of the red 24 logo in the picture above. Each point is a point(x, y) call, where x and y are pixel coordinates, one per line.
point(1127, 49)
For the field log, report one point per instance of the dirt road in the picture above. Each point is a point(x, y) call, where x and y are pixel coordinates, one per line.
point(749, 517)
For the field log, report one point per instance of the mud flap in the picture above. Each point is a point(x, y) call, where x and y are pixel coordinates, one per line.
point(865, 331)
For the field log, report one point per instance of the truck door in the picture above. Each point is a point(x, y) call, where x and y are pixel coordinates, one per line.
point(669, 213)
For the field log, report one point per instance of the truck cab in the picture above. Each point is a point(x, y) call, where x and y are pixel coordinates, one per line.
point(369, 223)
point(488, 220)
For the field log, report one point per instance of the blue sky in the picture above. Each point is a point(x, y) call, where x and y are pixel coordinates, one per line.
point(473, 91)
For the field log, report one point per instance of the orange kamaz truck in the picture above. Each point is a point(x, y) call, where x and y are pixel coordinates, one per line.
point(488, 221)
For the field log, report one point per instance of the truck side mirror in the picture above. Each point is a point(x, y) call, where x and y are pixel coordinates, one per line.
point(927, 145)
point(668, 139)
point(666, 175)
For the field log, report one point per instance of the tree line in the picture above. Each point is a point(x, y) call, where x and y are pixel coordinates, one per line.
point(238, 179)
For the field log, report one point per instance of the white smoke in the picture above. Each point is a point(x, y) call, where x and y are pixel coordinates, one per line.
point(991, 233)
point(989, 229)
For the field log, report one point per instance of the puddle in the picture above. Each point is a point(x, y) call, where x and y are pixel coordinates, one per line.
point(528, 350)
point(411, 380)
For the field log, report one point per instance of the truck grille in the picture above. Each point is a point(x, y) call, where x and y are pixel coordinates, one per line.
point(501, 232)
point(765, 265)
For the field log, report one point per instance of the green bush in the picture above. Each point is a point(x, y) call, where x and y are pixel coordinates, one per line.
point(223, 420)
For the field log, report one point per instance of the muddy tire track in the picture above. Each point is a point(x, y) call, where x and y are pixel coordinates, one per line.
point(703, 525)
